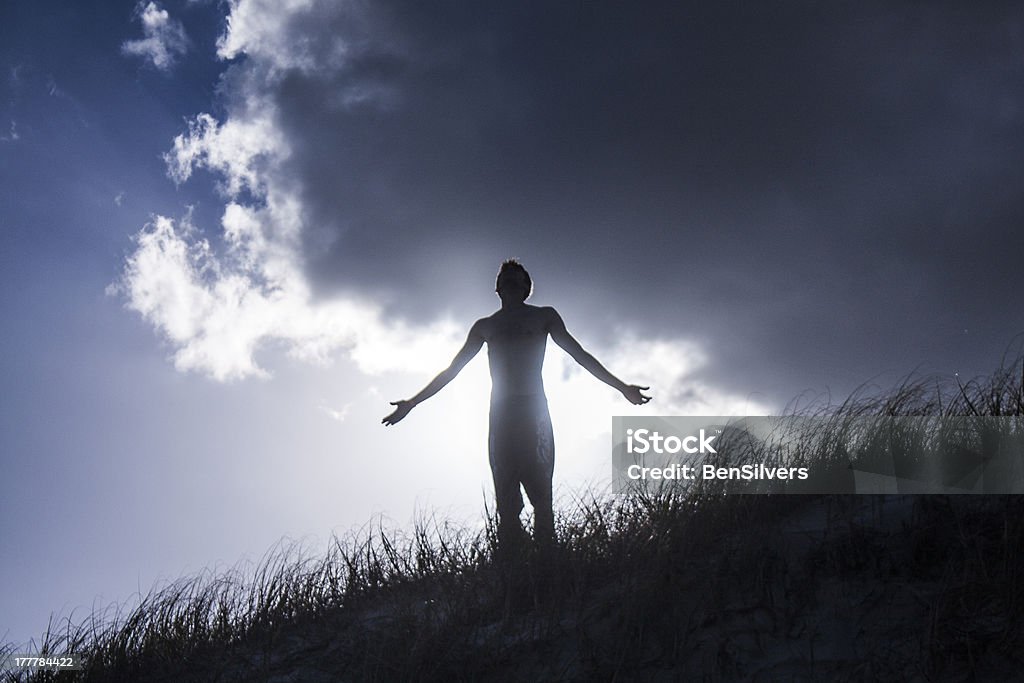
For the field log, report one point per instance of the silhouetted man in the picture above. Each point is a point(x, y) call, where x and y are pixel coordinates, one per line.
point(521, 446)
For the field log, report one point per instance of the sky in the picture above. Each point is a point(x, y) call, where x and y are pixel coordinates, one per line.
point(232, 231)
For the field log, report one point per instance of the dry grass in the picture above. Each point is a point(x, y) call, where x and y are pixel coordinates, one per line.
point(675, 583)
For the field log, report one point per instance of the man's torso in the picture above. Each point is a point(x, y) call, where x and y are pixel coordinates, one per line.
point(516, 338)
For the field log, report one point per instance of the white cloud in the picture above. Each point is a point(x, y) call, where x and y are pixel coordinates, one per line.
point(11, 136)
point(259, 29)
point(239, 149)
point(163, 41)
point(218, 311)
point(337, 414)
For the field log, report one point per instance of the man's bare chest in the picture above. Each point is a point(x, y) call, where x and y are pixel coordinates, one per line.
point(515, 329)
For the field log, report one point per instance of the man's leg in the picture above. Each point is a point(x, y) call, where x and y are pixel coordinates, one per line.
point(538, 488)
point(509, 501)
point(538, 473)
point(505, 471)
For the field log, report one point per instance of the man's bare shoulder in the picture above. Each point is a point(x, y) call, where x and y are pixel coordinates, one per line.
point(482, 325)
point(546, 318)
point(542, 316)
point(549, 315)
point(487, 326)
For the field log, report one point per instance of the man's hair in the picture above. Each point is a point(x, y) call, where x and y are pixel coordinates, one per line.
point(510, 266)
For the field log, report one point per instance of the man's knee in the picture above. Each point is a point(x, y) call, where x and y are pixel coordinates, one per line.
point(506, 488)
point(538, 489)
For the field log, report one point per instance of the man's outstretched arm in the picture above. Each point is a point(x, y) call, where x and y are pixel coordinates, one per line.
point(561, 336)
point(473, 343)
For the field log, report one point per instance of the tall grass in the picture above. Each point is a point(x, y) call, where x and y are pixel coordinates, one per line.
point(643, 585)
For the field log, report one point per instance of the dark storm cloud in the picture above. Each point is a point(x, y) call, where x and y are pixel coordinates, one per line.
point(819, 192)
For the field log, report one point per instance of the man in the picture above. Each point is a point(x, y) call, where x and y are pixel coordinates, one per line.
point(521, 445)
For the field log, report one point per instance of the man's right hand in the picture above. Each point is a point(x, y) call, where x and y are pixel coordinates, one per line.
point(402, 409)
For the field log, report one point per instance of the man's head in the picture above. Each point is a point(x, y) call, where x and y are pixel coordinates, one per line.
point(513, 283)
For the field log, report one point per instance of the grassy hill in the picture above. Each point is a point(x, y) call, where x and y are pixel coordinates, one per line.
point(678, 585)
